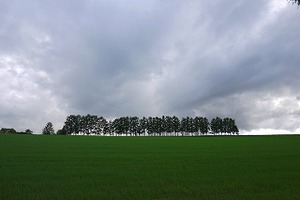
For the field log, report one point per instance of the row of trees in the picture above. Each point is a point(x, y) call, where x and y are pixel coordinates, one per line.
point(155, 126)
point(13, 131)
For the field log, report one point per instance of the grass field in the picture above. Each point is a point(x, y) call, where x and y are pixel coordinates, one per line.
point(81, 167)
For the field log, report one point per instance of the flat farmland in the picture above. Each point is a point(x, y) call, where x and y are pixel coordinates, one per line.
point(89, 167)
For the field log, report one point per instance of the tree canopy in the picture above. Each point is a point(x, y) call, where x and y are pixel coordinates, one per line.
point(13, 131)
point(48, 130)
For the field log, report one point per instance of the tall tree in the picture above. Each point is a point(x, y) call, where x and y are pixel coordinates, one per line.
point(133, 125)
point(168, 125)
point(72, 124)
point(126, 124)
point(150, 125)
point(143, 125)
point(175, 124)
point(216, 125)
point(226, 125)
point(183, 125)
point(100, 125)
point(117, 126)
point(172, 124)
point(229, 126)
point(204, 125)
point(164, 124)
point(48, 130)
point(108, 128)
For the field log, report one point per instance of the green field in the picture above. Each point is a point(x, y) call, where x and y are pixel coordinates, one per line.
point(82, 167)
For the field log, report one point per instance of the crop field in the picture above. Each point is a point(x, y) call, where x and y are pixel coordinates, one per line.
point(83, 167)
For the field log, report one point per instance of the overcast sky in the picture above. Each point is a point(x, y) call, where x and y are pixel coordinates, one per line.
point(235, 58)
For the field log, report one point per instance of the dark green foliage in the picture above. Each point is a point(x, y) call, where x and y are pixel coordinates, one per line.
point(13, 131)
point(101, 126)
point(7, 130)
point(143, 124)
point(243, 167)
point(121, 125)
point(201, 125)
point(184, 125)
point(108, 127)
point(48, 130)
point(226, 126)
point(204, 125)
point(216, 125)
point(151, 126)
point(61, 132)
point(72, 124)
point(28, 131)
point(229, 126)
point(134, 125)
point(175, 124)
point(168, 124)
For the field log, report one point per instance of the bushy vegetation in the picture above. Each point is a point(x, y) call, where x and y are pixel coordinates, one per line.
point(48, 130)
point(63, 167)
point(13, 131)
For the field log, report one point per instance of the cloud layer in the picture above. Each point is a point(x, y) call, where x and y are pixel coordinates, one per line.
point(114, 58)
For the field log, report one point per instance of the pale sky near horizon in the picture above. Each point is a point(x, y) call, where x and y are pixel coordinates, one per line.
point(232, 58)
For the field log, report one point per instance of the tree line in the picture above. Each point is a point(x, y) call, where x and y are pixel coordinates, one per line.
point(13, 131)
point(150, 126)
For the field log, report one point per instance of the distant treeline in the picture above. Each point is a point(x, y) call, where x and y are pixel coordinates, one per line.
point(13, 131)
point(151, 126)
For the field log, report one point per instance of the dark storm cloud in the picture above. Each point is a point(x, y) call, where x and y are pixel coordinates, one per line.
point(114, 58)
point(117, 47)
point(265, 59)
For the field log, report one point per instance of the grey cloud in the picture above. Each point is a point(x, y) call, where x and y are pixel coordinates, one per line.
point(263, 62)
point(115, 58)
